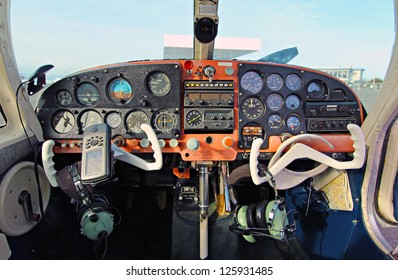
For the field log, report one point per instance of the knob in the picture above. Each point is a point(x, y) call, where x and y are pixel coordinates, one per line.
point(227, 142)
point(162, 143)
point(193, 144)
point(173, 143)
point(209, 71)
point(344, 109)
point(144, 143)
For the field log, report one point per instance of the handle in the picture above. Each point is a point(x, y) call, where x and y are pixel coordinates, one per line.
point(253, 162)
point(286, 178)
point(48, 163)
point(139, 162)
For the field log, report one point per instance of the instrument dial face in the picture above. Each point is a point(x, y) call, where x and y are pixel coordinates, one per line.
point(135, 119)
point(88, 118)
point(113, 119)
point(316, 90)
point(194, 118)
point(275, 82)
point(64, 98)
point(275, 102)
point(252, 82)
point(252, 108)
point(87, 94)
point(292, 102)
point(120, 91)
point(164, 121)
point(159, 84)
point(275, 121)
point(293, 122)
point(293, 82)
point(63, 121)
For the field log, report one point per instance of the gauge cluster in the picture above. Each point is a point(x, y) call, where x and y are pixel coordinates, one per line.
point(281, 99)
point(123, 96)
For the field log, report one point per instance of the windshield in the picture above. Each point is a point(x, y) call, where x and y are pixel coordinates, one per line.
point(351, 40)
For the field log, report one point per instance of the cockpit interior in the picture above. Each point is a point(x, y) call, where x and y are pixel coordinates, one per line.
point(196, 158)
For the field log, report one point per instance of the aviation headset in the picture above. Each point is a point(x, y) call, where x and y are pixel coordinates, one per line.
point(265, 219)
point(94, 212)
point(95, 217)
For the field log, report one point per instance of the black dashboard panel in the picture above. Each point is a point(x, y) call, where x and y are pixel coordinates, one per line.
point(81, 99)
point(278, 99)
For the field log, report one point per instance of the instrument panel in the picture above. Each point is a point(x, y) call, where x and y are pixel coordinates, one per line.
point(201, 109)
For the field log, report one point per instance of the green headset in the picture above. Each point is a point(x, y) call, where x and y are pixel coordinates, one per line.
point(258, 221)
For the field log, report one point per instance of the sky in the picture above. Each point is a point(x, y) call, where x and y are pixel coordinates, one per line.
point(74, 35)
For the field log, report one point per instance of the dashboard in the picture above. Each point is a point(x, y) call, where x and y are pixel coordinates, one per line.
point(201, 109)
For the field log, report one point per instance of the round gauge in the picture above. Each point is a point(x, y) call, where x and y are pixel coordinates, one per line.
point(64, 98)
point(275, 121)
point(113, 119)
point(194, 118)
point(293, 122)
point(293, 82)
point(274, 82)
point(316, 89)
point(159, 84)
point(120, 91)
point(88, 118)
point(252, 82)
point(87, 94)
point(252, 108)
point(164, 121)
point(275, 102)
point(292, 102)
point(135, 119)
point(63, 121)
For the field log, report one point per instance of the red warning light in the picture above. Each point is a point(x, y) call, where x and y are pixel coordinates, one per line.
point(188, 65)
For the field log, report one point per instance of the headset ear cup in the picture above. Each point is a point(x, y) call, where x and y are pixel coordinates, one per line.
point(261, 219)
point(241, 217)
point(251, 218)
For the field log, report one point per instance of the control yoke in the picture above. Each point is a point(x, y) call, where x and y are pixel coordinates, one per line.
point(119, 154)
point(285, 178)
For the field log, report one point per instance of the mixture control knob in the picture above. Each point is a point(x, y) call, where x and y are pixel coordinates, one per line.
point(193, 144)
